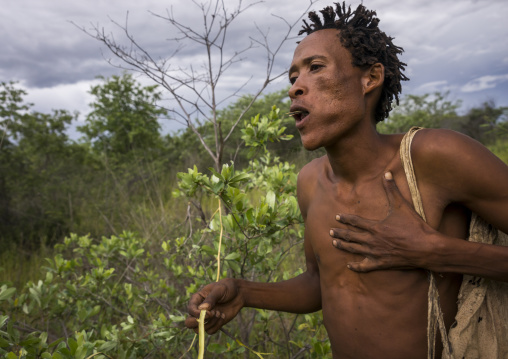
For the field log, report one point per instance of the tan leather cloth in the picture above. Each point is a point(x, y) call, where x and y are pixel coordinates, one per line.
point(481, 324)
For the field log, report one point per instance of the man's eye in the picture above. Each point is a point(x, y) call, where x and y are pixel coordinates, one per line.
point(315, 67)
point(292, 80)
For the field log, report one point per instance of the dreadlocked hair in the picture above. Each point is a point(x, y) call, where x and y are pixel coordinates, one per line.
point(360, 34)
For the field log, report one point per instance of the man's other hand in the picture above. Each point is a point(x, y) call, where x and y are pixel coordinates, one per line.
point(221, 300)
point(400, 241)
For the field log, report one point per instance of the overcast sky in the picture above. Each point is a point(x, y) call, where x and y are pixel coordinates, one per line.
point(455, 45)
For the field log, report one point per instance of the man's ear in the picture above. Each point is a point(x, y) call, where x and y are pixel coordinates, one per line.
point(373, 78)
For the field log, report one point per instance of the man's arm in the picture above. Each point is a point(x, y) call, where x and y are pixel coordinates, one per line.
point(460, 170)
point(224, 299)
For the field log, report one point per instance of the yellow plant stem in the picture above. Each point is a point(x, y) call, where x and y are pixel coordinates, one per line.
point(259, 355)
point(201, 322)
point(190, 347)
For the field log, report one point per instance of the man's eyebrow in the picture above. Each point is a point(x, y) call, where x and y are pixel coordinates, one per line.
point(306, 61)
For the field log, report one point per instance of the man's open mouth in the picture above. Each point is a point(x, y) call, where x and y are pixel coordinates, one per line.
point(298, 115)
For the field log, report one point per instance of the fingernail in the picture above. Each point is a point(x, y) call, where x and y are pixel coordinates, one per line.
point(331, 232)
point(334, 242)
point(337, 217)
point(388, 176)
point(348, 266)
point(204, 306)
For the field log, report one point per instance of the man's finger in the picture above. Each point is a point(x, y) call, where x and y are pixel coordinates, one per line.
point(349, 235)
point(392, 191)
point(191, 322)
point(211, 323)
point(195, 301)
point(355, 221)
point(212, 298)
point(351, 247)
point(214, 328)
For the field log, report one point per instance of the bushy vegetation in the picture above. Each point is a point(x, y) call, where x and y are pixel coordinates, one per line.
point(121, 226)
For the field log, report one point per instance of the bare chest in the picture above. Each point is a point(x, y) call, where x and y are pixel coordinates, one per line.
point(368, 201)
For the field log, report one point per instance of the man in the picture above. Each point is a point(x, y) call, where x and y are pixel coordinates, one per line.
point(368, 252)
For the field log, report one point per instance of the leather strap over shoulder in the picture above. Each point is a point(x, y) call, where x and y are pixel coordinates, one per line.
point(435, 315)
point(407, 163)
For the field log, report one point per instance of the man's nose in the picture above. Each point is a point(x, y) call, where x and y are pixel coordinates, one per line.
point(297, 89)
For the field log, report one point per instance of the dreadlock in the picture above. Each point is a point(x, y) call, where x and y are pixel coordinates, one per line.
point(360, 34)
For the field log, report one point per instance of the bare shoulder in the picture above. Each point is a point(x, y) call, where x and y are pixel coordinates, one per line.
point(307, 180)
point(463, 168)
point(312, 169)
point(431, 142)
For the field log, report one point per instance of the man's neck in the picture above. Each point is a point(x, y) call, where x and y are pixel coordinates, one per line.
point(360, 156)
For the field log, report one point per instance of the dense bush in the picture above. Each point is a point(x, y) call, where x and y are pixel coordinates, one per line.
point(125, 297)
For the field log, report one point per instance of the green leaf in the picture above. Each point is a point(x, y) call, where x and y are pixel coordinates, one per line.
point(177, 318)
point(250, 215)
point(29, 341)
point(207, 249)
point(232, 256)
point(56, 342)
point(216, 174)
point(107, 346)
point(6, 293)
point(3, 319)
point(217, 348)
point(240, 177)
point(270, 199)
point(234, 266)
point(81, 352)
point(73, 345)
point(4, 343)
point(43, 337)
point(303, 326)
point(35, 296)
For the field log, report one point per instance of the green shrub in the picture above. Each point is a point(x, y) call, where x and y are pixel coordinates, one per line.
point(124, 297)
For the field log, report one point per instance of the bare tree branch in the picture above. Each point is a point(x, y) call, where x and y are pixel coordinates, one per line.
point(271, 55)
point(194, 89)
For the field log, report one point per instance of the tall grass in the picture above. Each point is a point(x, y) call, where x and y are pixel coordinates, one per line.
point(17, 266)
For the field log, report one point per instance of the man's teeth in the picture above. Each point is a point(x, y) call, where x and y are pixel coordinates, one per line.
point(294, 113)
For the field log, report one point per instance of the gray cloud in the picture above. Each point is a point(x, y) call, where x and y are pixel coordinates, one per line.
point(483, 83)
point(449, 45)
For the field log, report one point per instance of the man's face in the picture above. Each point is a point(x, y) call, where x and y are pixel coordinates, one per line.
point(326, 88)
